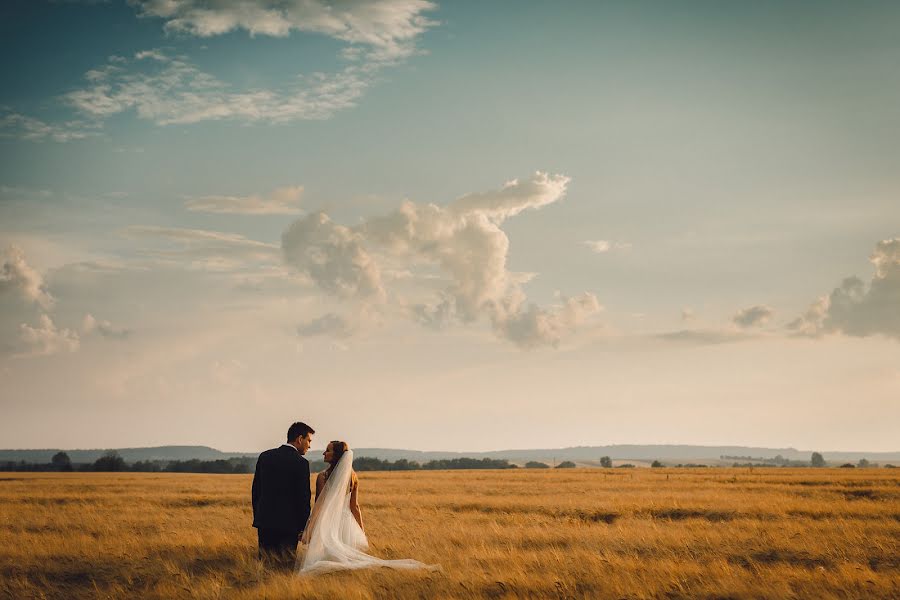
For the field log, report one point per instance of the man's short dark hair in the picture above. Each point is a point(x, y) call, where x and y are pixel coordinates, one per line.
point(299, 429)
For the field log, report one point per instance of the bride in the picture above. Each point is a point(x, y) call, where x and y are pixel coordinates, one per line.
point(334, 538)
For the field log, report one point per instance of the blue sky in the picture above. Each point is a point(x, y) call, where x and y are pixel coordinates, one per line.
point(394, 218)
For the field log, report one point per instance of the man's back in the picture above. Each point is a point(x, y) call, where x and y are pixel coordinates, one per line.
point(281, 491)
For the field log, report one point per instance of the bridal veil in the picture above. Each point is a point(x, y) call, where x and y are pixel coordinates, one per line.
point(333, 540)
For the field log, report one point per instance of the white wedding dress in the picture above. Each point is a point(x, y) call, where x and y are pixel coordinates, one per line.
point(334, 540)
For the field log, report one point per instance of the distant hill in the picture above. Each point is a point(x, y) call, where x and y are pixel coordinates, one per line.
point(578, 454)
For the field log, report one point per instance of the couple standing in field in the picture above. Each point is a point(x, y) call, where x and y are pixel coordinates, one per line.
point(332, 536)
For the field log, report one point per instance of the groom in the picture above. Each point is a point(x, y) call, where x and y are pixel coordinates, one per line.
point(281, 496)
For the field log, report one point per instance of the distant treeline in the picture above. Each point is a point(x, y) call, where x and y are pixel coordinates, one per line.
point(816, 460)
point(365, 463)
point(111, 462)
point(777, 461)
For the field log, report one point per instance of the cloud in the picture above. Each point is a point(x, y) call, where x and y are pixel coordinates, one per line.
point(45, 339)
point(330, 324)
point(333, 256)
point(602, 246)
point(171, 90)
point(204, 249)
point(193, 235)
point(856, 308)
point(14, 124)
point(32, 299)
point(387, 28)
point(106, 329)
point(463, 240)
point(151, 54)
point(536, 326)
point(810, 323)
point(754, 316)
point(282, 201)
point(21, 278)
point(704, 337)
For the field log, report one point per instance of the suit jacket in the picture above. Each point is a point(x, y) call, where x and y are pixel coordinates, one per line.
point(281, 491)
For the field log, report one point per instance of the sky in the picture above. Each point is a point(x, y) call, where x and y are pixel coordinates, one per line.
point(449, 226)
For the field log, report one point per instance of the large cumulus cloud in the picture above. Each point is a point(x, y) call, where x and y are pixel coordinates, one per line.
point(858, 308)
point(463, 239)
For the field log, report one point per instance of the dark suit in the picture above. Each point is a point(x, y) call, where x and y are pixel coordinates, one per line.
point(281, 496)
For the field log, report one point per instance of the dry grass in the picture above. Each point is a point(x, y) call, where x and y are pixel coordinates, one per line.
point(581, 533)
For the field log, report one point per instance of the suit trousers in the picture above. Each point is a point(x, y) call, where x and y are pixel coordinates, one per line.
point(278, 549)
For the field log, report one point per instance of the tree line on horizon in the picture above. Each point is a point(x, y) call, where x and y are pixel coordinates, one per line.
point(112, 462)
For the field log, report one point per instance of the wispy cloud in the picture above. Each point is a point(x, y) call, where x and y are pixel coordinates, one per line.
point(282, 201)
point(386, 28)
point(704, 337)
point(171, 90)
point(603, 246)
point(14, 124)
point(203, 249)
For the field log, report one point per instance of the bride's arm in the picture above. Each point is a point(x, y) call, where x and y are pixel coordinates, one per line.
point(320, 484)
point(354, 503)
point(313, 517)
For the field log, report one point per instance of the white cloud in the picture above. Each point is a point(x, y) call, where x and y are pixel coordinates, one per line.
point(151, 54)
point(46, 339)
point(14, 124)
point(598, 246)
point(856, 308)
point(106, 329)
point(754, 316)
point(388, 28)
point(20, 277)
point(603, 246)
point(536, 326)
point(282, 201)
point(333, 256)
point(463, 239)
point(171, 90)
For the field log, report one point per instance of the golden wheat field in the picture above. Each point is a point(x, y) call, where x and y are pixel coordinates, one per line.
point(579, 533)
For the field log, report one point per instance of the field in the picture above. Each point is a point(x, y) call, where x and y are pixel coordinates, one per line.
point(576, 533)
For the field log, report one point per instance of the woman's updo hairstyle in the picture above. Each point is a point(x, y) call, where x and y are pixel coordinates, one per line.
point(337, 451)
